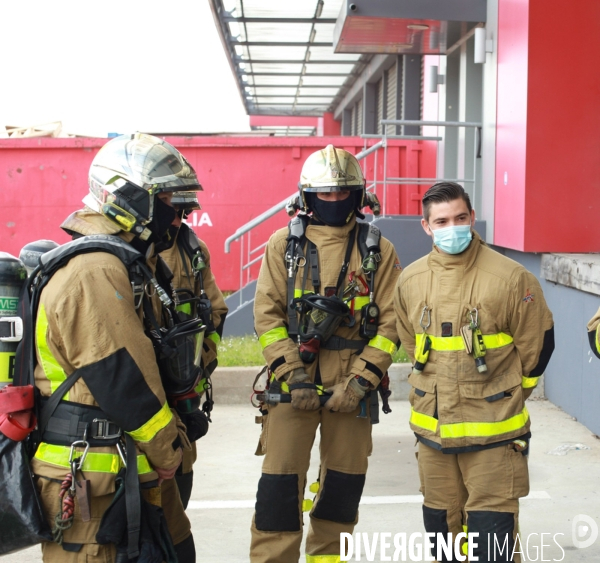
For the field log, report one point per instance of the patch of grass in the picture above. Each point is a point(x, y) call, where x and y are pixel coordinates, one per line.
point(245, 351)
point(237, 351)
point(401, 356)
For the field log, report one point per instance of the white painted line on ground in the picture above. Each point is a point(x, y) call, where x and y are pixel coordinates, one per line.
point(397, 499)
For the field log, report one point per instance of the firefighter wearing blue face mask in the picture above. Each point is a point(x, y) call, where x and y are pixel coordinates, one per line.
point(480, 333)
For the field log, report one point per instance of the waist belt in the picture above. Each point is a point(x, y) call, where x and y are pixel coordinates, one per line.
point(338, 343)
point(71, 421)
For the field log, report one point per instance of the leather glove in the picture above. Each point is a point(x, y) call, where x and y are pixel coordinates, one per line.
point(345, 396)
point(305, 399)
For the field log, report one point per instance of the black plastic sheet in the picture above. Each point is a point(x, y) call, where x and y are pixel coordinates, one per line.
point(22, 523)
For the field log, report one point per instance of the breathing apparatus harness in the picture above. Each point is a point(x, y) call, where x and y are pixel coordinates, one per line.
point(70, 424)
point(321, 315)
point(197, 305)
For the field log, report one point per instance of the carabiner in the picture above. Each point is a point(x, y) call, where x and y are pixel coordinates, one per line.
point(78, 460)
point(474, 316)
point(424, 312)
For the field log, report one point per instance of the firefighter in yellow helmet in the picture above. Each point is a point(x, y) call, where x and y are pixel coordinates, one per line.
point(480, 334)
point(594, 333)
point(323, 315)
point(100, 324)
point(197, 292)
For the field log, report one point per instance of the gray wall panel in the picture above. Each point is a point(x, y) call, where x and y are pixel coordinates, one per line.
point(572, 379)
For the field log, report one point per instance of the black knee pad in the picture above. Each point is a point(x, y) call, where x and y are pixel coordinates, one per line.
point(339, 497)
point(495, 531)
point(277, 504)
point(186, 551)
point(436, 522)
point(185, 481)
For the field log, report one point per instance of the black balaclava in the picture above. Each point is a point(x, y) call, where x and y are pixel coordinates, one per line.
point(163, 231)
point(333, 213)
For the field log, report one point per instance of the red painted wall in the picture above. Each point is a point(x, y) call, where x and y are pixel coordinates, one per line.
point(548, 128)
point(43, 180)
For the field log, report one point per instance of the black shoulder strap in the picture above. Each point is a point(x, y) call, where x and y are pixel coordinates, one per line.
point(55, 398)
point(368, 238)
point(293, 252)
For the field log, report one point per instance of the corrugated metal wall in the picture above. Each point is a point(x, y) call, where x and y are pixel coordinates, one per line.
point(391, 97)
point(380, 104)
point(353, 121)
point(359, 117)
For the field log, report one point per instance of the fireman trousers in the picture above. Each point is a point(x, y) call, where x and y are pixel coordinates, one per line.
point(287, 438)
point(478, 490)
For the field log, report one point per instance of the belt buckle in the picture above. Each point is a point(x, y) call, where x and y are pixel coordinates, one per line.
point(102, 428)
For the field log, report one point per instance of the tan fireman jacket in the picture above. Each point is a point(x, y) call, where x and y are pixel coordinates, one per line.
point(270, 310)
point(453, 405)
point(594, 333)
point(87, 321)
point(183, 278)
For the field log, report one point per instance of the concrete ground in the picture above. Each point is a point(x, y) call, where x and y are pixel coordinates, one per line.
point(563, 487)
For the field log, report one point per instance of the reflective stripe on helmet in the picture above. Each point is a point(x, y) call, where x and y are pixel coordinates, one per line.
point(455, 343)
point(272, 336)
point(52, 370)
point(384, 344)
point(95, 462)
point(147, 431)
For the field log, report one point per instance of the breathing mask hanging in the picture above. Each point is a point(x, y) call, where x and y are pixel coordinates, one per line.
point(320, 317)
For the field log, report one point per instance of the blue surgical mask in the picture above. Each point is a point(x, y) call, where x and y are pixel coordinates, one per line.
point(452, 240)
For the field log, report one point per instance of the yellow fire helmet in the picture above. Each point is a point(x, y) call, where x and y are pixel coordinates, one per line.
point(128, 172)
point(331, 170)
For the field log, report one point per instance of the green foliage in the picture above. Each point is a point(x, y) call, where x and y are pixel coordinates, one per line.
point(245, 351)
point(400, 356)
point(240, 351)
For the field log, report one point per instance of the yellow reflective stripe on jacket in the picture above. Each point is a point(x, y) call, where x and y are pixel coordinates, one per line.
point(423, 420)
point(94, 461)
point(322, 558)
point(454, 343)
point(6, 367)
point(484, 429)
point(529, 382)
point(598, 339)
point(147, 431)
point(384, 344)
point(51, 367)
point(272, 336)
point(214, 336)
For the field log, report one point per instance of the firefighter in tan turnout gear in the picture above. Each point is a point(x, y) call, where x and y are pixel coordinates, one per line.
point(196, 289)
point(594, 333)
point(98, 325)
point(480, 334)
point(324, 281)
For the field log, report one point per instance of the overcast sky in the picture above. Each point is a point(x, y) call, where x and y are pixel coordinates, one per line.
point(116, 66)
